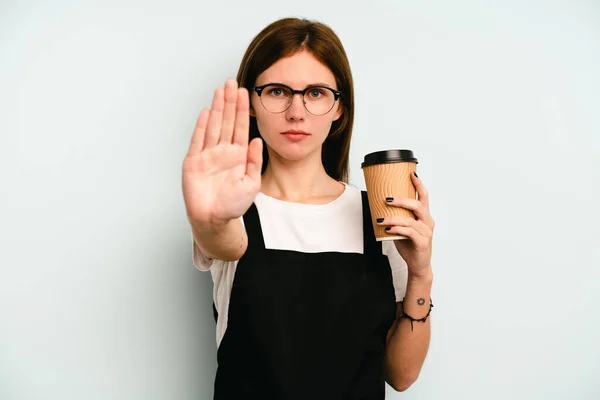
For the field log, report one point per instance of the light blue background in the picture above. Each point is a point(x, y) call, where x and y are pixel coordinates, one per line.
point(499, 100)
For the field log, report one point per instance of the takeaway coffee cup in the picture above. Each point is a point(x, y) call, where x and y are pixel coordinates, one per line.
point(387, 174)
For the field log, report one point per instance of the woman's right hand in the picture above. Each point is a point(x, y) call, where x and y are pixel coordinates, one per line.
point(221, 172)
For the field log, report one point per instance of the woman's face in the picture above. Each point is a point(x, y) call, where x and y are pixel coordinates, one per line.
point(298, 72)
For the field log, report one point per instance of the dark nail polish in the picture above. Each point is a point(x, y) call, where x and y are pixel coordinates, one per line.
point(389, 199)
point(379, 219)
point(414, 172)
point(388, 228)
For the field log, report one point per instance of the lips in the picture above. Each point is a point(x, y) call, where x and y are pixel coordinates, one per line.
point(295, 135)
point(295, 132)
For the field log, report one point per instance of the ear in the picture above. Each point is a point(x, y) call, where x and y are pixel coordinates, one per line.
point(338, 112)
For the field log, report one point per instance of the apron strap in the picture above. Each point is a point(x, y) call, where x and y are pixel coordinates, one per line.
point(370, 245)
point(256, 239)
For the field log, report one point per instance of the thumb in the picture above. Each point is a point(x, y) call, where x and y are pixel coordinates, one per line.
point(255, 159)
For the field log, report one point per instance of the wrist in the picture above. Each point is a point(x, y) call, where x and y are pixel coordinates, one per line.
point(422, 277)
point(411, 316)
point(206, 227)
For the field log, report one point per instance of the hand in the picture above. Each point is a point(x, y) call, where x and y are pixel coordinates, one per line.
point(417, 250)
point(221, 173)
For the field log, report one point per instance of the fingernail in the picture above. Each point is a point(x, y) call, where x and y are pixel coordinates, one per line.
point(389, 199)
point(414, 172)
point(379, 219)
point(388, 228)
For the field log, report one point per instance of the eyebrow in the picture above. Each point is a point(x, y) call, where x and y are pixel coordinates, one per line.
point(318, 84)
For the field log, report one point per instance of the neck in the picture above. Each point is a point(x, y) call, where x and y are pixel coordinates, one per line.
point(299, 181)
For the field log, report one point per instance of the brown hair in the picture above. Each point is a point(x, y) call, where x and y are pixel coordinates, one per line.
point(284, 38)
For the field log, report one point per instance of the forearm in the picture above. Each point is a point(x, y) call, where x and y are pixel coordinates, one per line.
point(227, 242)
point(408, 345)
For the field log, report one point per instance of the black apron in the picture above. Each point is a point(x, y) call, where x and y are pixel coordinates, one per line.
point(306, 325)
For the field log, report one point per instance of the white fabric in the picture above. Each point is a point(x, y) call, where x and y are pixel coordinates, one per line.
point(309, 228)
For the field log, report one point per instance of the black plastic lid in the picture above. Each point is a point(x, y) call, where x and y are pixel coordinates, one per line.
point(388, 156)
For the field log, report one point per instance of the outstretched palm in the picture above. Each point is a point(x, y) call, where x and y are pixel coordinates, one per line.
point(221, 172)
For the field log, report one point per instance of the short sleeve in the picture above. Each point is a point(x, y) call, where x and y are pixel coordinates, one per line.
point(398, 266)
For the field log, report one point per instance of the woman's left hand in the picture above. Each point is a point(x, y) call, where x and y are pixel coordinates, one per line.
point(416, 250)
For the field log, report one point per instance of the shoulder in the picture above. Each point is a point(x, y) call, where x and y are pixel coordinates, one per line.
point(354, 193)
point(353, 188)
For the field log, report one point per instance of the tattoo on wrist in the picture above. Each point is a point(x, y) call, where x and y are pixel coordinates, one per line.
point(420, 302)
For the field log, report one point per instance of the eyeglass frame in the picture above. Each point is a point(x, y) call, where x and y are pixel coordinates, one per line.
point(336, 96)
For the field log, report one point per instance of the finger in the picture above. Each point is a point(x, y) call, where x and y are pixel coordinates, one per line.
point(398, 220)
point(242, 118)
point(419, 240)
point(254, 165)
point(229, 111)
point(197, 142)
point(422, 192)
point(213, 130)
point(416, 206)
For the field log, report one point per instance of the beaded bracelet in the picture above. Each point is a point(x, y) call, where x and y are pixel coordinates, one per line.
point(405, 315)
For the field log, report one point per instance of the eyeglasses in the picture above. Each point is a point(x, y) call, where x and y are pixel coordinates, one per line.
point(277, 97)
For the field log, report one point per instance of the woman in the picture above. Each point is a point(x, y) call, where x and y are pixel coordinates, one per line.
point(308, 304)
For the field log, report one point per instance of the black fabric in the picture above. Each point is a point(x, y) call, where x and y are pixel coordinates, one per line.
point(306, 325)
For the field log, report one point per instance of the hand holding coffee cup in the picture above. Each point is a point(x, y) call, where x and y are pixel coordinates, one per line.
point(387, 174)
point(392, 173)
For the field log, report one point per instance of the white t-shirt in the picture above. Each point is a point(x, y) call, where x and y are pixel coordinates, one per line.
point(308, 228)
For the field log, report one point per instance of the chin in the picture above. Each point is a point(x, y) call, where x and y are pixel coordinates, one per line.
point(293, 155)
point(293, 151)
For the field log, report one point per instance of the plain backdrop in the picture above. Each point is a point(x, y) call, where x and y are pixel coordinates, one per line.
point(499, 101)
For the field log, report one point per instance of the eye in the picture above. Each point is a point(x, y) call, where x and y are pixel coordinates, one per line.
point(316, 93)
point(276, 91)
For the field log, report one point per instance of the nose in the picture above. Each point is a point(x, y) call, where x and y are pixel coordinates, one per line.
point(296, 110)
